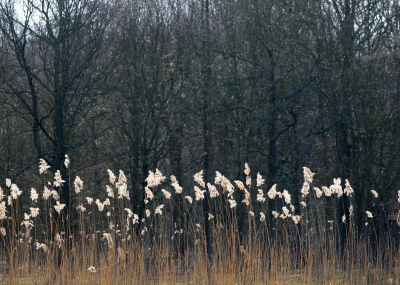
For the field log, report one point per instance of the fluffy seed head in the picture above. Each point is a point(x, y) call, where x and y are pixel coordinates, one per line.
point(58, 181)
point(287, 197)
point(225, 184)
point(240, 185)
point(308, 175)
point(272, 192)
point(167, 195)
point(59, 207)
point(328, 192)
point(55, 195)
point(247, 198)
point(149, 194)
point(46, 193)
point(34, 212)
point(198, 178)
point(154, 179)
point(318, 192)
point(81, 208)
point(213, 190)
point(34, 195)
point(108, 237)
point(285, 211)
point(305, 189)
point(100, 206)
point(199, 193)
point(248, 181)
point(296, 219)
point(348, 190)
point(112, 177)
point(246, 169)
point(15, 192)
point(3, 210)
point(122, 177)
point(78, 185)
point(110, 191)
point(351, 210)
point(148, 213)
point(373, 192)
point(260, 180)
point(262, 217)
point(190, 199)
point(232, 203)
point(336, 187)
point(260, 196)
point(43, 166)
point(175, 185)
point(158, 210)
point(66, 161)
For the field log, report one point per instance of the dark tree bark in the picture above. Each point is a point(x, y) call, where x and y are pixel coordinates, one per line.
point(206, 81)
point(61, 77)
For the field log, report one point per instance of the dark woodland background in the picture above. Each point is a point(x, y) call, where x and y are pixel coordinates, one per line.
point(185, 85)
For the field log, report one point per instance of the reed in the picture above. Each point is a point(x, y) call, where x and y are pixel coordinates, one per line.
point(105, 242)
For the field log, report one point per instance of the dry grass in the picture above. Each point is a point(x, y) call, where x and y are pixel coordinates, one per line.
point(108, 244)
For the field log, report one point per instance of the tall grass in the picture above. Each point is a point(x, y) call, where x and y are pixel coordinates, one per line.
point(257, 237)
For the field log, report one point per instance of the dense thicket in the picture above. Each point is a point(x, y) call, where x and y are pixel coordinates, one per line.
point(184, 85)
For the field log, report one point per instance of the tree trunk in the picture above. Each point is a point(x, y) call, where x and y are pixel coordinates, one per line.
point(206, 71)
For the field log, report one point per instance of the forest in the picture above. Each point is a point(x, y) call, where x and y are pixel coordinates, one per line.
point(213, 102)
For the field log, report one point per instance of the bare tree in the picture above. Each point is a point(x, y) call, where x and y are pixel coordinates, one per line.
point(57, 48)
